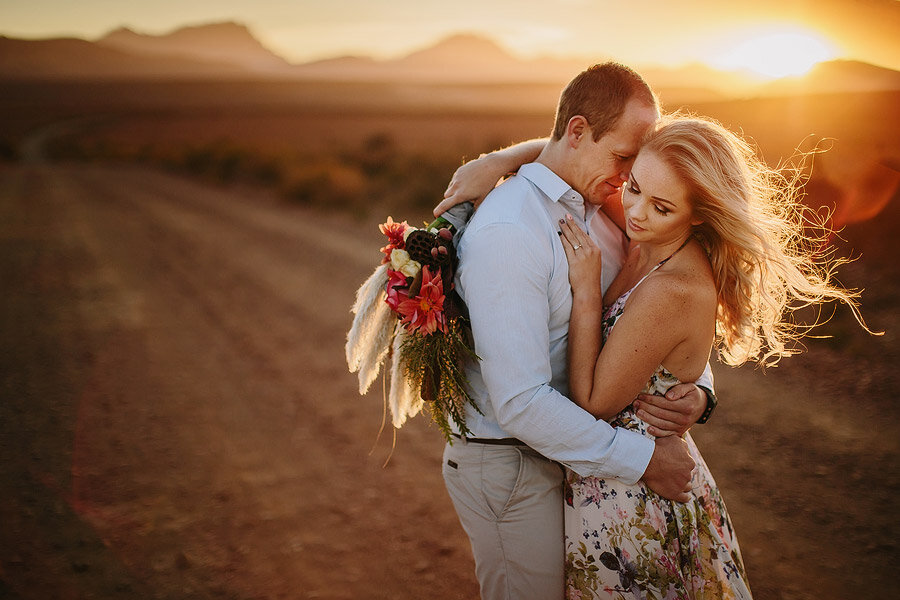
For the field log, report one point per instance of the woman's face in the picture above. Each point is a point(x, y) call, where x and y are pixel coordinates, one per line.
point(657, 208)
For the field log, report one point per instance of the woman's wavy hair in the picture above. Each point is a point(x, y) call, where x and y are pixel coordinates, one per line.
point(768, 251)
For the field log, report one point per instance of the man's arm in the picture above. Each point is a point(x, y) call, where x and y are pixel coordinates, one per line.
point(504, 278)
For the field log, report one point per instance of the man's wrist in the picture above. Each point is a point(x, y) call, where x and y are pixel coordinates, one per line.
point(711, 403)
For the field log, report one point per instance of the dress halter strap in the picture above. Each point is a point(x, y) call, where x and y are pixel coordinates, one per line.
point(659, 264)
point(666, 259)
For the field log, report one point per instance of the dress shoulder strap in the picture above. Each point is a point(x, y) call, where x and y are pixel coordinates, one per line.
point(658, 265)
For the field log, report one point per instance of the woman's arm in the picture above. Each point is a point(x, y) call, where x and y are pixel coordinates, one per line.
point(585, 334)
point(660, 315)
point(476, 178)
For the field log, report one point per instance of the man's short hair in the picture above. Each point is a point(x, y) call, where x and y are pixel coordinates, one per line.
point(599, 94)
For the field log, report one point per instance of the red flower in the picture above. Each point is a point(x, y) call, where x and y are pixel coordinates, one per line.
point(396, 289)
point(425, 312)
point(394, 233)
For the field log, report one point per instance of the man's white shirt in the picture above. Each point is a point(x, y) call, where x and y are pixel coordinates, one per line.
point(513, 276)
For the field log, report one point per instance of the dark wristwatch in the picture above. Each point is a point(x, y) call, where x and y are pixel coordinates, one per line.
point(711, 403)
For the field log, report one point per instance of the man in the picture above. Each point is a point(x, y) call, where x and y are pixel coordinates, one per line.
point(505, 478)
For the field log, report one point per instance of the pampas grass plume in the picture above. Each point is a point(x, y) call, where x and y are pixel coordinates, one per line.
point(403, 399)
point(369, 338)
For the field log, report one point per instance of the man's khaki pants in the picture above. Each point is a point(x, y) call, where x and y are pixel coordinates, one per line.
point(510, 503)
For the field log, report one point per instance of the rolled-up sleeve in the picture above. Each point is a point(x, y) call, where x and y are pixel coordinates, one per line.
point(506, 279)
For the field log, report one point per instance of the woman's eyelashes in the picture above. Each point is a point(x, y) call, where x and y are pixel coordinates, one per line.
point(632, 188)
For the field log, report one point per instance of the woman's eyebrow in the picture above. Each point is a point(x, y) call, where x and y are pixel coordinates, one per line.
point(635, 183)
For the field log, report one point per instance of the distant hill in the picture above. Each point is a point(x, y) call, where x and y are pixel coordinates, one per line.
point(459, 58)
point(845, 75)
point(227, 42)
point(230, 50)
point(73, 59)
point(461, 49)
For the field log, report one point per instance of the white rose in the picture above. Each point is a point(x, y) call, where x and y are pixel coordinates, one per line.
point(399, 258)
point(411, 268)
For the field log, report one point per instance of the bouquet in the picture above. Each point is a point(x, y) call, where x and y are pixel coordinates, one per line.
point(408, 311)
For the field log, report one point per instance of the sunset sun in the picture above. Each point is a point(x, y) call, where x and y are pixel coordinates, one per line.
point(776, 53)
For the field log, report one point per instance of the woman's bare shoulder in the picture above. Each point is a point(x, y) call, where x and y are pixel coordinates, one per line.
point(682, 286)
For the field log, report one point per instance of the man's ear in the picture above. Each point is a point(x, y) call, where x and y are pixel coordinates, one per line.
point(577, 130)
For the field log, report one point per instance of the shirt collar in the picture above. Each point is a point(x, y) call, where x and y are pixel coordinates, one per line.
point(556, 189)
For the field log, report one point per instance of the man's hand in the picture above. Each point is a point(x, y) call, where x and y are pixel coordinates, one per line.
point(670, 469)
point(674, 413)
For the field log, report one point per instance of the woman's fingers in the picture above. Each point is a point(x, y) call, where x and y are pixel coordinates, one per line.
point(569, 238)
point(566, 241)
point(575, 236)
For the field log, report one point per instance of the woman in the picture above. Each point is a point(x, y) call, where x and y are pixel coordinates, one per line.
point(719, 256)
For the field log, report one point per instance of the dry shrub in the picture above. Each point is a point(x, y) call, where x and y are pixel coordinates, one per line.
point(8, 151)
point(324, 181)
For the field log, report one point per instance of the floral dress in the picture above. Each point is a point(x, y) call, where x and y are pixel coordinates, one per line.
point(627, 542)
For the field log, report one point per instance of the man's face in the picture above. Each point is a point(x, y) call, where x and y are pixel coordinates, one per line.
point(603, 166)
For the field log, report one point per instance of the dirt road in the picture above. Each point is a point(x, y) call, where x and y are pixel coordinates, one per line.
point(177, 420)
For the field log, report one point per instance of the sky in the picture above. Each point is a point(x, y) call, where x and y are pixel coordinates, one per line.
point(637, 32)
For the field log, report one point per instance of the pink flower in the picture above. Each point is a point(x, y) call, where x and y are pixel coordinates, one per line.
point(698, 584)
point(394, 232)
point(425, 312)
point(655, 518)
point(396, 289)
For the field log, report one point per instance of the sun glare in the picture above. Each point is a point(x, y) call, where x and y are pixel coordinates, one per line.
point(777, 53)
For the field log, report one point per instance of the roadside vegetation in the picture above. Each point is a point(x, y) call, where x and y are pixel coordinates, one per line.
point(373, 173)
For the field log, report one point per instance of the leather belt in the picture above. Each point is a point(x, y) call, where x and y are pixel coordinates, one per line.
point(492, 441)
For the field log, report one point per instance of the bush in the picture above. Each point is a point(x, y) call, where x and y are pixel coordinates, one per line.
point(8, 151)
point(325, 182)
point(376, 172)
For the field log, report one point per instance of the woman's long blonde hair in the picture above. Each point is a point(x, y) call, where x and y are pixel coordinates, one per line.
point(767, 249)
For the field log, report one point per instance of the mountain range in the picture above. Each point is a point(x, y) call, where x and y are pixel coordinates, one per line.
point(229, 50)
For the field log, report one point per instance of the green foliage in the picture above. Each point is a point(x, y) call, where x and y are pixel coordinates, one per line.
point(434, 364)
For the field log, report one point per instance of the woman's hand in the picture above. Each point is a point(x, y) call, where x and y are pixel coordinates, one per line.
point(471, 182)
point(585, 320)
point(475, 179)
point(585, 260)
